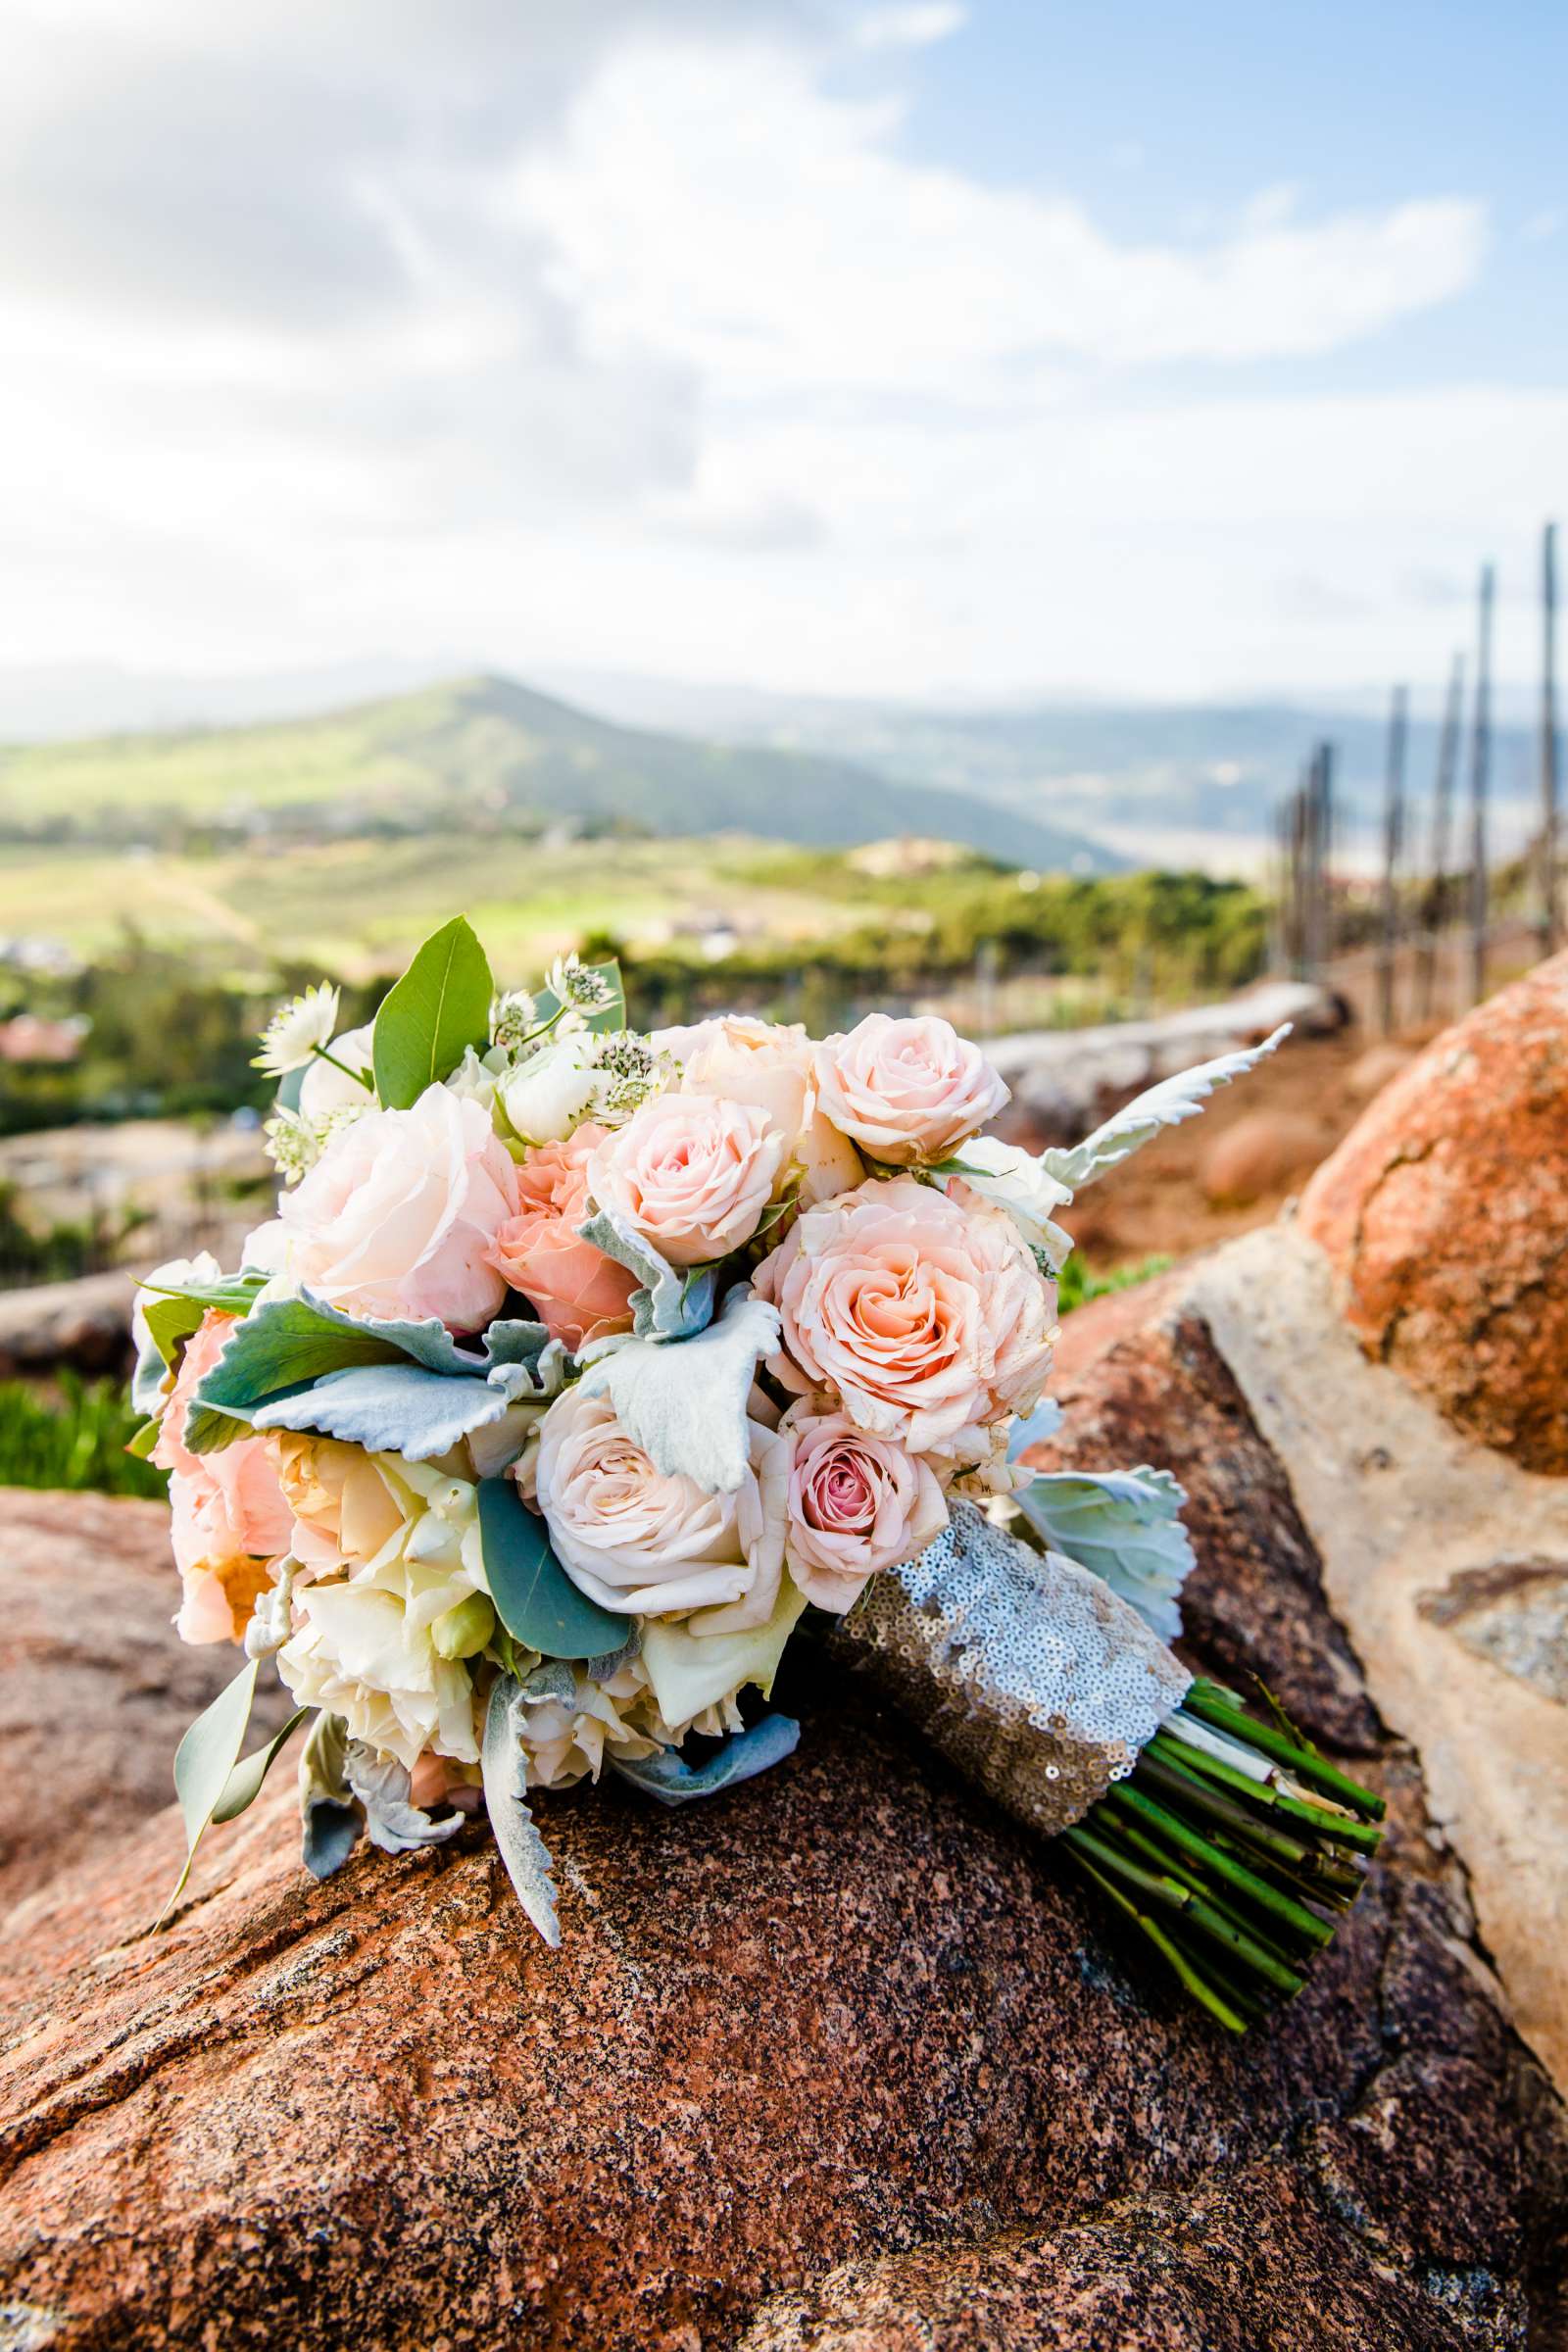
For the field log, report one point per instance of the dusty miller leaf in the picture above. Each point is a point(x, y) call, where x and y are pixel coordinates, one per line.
point(683, 1401)
point(392, 1821)
point(1123, 1525)
point(672, 1781)
point(329, 1817)
point(1164, 1105)
point(504, 1770)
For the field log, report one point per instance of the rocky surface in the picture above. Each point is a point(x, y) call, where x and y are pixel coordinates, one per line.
point(1444, 1213)
point(94, 1689)
point(840, 2060)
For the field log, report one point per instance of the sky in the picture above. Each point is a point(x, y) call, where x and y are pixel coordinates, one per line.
point(905, 348)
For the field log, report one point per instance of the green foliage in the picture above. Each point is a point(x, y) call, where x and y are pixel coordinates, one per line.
point(204, 1762)
point(438, 1010)
point(535, 1599)
point(1076, 1284)
point(75, 1443)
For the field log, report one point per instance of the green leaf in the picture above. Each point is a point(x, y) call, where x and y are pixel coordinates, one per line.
point(244, 1784)
point(438, 1009)
point(609, 1018)
point(330, 1819)
point(203, 1762)
point(171, 1322)
point(141, 1441)
point(535, 1599)
point(504, 1771)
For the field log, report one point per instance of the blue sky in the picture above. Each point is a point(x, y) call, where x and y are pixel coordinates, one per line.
point(889, 347)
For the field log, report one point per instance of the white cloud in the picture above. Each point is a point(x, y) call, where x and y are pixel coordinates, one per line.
point(493, 330)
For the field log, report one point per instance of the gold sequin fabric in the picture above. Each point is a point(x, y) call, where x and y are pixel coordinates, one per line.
point(1028, 1673)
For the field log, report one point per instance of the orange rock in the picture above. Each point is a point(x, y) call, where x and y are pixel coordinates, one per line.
point(1444, 1213)
point(1260, 1152)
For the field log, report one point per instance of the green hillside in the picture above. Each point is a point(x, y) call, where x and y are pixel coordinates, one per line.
point(486, 755)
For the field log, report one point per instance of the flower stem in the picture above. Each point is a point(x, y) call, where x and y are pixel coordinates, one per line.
point(359, 1077)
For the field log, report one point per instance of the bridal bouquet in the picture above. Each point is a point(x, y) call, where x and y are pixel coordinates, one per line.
point(581, 1369)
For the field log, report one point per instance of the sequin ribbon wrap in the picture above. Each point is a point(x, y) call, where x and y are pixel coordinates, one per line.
point(1030, 1675)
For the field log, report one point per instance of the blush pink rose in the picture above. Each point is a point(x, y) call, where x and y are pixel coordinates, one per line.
point(399, 1215)
point(229, 1518)
point(577, 1293)
point(922, 1311)
point(692, 1174)
point(649, 1545)
point(768, 1065)
point(856, 1503)
point(906, 1089)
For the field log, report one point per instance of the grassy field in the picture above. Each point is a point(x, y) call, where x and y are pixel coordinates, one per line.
point(358, 907)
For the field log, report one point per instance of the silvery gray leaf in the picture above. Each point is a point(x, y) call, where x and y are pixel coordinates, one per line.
point(1042, 1423)
point(671, 1305)
point(392, 1821)
point(683, 1401)
point(329, 1817)
point(606, 1669)
point(552, 1678)
point(669, 1778)
point(388, 1408)
point(1163, 1106)
point(505, 1768)
point(1124, 1525)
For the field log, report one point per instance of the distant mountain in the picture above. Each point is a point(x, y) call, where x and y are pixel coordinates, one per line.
point(478, 752)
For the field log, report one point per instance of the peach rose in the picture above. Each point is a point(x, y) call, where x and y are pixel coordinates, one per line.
point(577, 1293)
point(230, 1520)
point(691, 1174)
point(647, 1545)
point(399, 1214)
point(768, 1065)
point(923, 1310)
point(856, 1503)
point(908, 1090)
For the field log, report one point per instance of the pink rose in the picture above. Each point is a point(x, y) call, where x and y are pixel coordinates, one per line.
point(230, 1520)
point(922, 1310)
point(856, 1503)
point(769, 1065)
point(399, 1215)
point(906, 1091)
point(647, 1545)
point(577, 1293)
point(691, 1174)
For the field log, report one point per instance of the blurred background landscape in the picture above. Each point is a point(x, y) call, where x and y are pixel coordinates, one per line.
point(842, 507)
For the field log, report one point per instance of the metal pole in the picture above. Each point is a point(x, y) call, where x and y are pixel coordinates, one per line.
point(1551, 920)
point(1393, 846)
point(1480, 760)
point(1441, 833)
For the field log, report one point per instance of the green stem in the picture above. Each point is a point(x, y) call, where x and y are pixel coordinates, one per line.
point(359, 1078)
point(1282, 1908)
point(1209, 1705)
point(1207, 1995)
point(1175, 1865)
point(1215, 1805)
point(1197, 1762)
point(1164, 1891)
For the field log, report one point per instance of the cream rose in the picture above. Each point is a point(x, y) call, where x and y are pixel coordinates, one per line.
point(399, 1215)
point(769, 1065)
point(549, 1094)
point(923, 1312)
point(691, 1174)
point(856, 1503)
point(647, 1545)
point(906, 1089)
point(230, 1521)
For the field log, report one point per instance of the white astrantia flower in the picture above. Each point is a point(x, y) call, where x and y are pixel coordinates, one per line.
point(571, 982)
point(513, 1016)
point(298, 1031)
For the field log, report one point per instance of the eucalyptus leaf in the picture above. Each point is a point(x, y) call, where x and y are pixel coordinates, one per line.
point(1164, 1105)
point(331, 1822)
point(392, 1820)
point(683, 1401)
point(535, 1599)
point(672, 1781)
point(244, 1784)
point(203, 1762)
point(1122, 1525)
point(672, 1303)
point(438, 1010)
point(504, 1770)
point(388, 1408)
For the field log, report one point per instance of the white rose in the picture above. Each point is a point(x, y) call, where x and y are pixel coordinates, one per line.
point(550, 1094)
